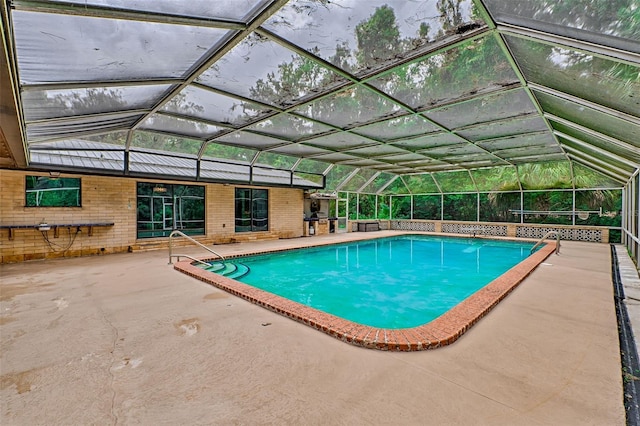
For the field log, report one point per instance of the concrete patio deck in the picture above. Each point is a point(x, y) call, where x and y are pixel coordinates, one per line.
point(125, 339)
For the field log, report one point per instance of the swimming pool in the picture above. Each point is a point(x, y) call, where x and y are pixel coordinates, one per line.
point(394, 282)
point(395, 316)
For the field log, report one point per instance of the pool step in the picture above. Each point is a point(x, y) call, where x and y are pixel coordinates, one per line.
point(216, 266)
point(240, 272)
point(228, 269)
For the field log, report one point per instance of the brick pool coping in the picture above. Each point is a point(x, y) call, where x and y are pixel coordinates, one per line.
point(442, 331)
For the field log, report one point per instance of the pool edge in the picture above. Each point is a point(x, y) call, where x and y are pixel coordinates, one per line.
point(442, 331)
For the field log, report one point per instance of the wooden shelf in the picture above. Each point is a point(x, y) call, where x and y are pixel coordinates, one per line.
point(56, 226)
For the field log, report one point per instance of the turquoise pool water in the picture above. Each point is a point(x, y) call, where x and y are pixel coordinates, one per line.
point(396, 282)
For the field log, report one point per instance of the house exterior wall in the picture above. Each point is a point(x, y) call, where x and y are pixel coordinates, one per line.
point(113, 200)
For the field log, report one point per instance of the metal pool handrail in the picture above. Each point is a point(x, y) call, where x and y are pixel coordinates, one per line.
point(182, 234)
point(547, 235)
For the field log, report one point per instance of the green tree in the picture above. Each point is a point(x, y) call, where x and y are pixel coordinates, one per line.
point(451, 15)
point(367, 206)
point(378, 37)
point(401, 207)
point(427, 207)
point(460, 207)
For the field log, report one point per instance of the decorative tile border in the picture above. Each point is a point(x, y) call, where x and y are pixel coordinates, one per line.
point(408, 225)
point(573, 234)
point(469, 228)
point(597, 234)
point(442, 331)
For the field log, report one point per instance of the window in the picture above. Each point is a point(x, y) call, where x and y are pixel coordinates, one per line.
point(163, 208)
point(252, 210)
point(43, 191)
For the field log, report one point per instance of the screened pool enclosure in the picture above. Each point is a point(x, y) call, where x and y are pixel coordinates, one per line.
point(519, 111)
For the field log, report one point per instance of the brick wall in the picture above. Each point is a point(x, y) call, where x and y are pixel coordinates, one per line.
point(285, 215)
point(286, 218)
point(112, 199)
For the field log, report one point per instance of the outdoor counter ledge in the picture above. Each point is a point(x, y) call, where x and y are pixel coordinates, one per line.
point(442, 331)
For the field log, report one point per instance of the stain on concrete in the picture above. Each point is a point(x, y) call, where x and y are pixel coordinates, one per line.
point(128, 362)
point(61, 303)
point(6, 320)
point(12, 290)
point(54, 323)
point(188, 327)
point(214, 296)
point(22, 380)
